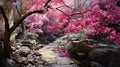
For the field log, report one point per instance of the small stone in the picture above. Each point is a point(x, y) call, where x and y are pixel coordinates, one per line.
point(29, 65)
point(38, 47)
point(30, 59)
point(39, 65)
point(26, 43)
point(13, 48)
point(24, 51)
point(38, 60)
point(11, 62)
point(17, 46)
point(37, 53)
point(16, 52)
point(20, 59)
point(64, 60)
point(17, 65)
point(33, 66)
point(4, 62)
point(52, 47)
point(59, 65)
point(74, 65)
point(95, 64)
point(65, 37)
point(32, 52)
point(67, 65)
point(97, 54)
point(81, 54)
point(32, 36)
point(33, 42)
point(56, 65)
point(58, 41)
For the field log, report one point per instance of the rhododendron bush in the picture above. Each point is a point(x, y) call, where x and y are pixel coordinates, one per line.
point(105, 19)
point(100, 18)
point(45, 23)
point(59, 18)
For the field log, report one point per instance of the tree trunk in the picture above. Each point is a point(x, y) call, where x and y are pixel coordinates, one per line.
point(7, 50)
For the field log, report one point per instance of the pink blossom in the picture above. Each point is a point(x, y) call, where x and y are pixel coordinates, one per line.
point(64, 52)
point(99, 19)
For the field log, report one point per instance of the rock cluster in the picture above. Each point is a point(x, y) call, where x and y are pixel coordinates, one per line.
point(29, 53)
point(83, 53)
point(92, 54)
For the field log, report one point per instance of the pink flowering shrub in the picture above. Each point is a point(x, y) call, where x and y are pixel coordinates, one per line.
point(36, 26)
point(101, 20)
point(105, 20)
point(47, 23)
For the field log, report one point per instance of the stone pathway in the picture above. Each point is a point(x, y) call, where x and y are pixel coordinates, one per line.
point(51, 55)
point(28, 53)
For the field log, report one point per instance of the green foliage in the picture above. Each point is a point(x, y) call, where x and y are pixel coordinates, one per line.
point(45, 38)
point(33, 34)
point(77, 36)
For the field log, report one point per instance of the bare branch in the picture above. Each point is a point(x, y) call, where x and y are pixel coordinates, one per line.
point(16, 7)
point(73, 13)
point(62, 12)
point(19, 21)
point(47, 3)
point(66, 4)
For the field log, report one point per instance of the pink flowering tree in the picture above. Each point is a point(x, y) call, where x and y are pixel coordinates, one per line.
point(100, 18)
point(46, 23)
point(58, 19)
